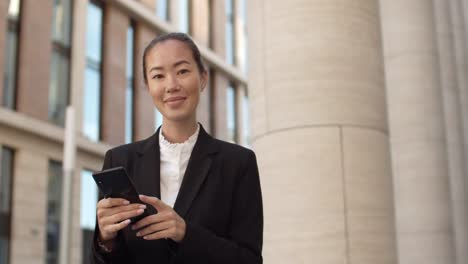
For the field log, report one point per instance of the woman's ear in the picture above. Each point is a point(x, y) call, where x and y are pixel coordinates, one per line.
point(204, 80)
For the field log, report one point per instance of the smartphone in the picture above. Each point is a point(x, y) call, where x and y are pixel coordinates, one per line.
point(115, 183)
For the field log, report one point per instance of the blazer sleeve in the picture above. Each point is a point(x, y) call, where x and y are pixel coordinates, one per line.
point(119, 254)
point(244, 242)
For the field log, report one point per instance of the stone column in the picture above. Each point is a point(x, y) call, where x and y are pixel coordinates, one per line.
point(29, 211)
point(200, 31)
point(34, 48)
point(144, 108)
point(416, 120)
point(3, 36)
point(453, 127)
point(114, 82)
point(316, 87)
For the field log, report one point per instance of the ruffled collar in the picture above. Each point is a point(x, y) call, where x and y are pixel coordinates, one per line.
point(186, 145)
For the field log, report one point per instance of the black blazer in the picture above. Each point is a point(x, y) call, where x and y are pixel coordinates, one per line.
point(220, 200)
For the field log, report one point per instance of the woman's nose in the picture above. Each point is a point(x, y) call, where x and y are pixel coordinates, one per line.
point(172, 84)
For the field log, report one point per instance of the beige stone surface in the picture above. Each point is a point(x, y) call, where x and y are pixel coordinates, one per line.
point(114, 81)
point(329, 70)
point(144, 122)
point(33, 81)
point(200, 22)
point(256, 61)
point(453, 127)
point(303, 201)
point(368, 196)
point(28, 219)
point(416, 119)
point(316, 86)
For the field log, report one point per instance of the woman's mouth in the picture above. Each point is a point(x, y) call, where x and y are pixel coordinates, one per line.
point(175, 100)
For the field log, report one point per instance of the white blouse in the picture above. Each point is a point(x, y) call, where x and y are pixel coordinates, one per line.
point(174, 160)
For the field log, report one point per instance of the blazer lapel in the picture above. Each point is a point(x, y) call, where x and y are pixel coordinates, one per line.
point(148, 172)
point(197, 169)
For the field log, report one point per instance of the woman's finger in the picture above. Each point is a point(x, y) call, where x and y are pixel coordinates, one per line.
point(156, 228)
point(114, 210)
point(153, 219)
point(116, 218)
point(111, 202)
point(114, 228)
point(168, 233)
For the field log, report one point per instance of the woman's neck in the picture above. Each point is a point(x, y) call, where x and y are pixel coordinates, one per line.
point(178, 132)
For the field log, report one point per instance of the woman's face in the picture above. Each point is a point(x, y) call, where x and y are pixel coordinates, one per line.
point(174, 80)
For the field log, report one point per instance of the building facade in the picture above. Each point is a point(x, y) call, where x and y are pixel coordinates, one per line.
point(358, 113)
point(87, 54)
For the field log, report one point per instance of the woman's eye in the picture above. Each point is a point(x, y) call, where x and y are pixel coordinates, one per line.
point(183, 71)
point(158, 76)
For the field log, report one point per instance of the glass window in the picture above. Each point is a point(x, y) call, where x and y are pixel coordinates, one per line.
point(242, 43)
point(59, 88)
point(6, 175)
point(162, 9)
point(61, 22)
point(54, 198)
point(246, 120)
point(158, 119)
point(130, 87)
point(10, 53)
point(88, 202)
point(231, 113)
point(184, 16)
point(92, 89)
point(59, 74)
point(229, 32)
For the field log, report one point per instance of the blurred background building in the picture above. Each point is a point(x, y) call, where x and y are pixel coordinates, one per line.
point(358, 114)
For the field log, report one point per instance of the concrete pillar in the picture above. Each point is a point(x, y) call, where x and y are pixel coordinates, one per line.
point(319, 127)
point(220, 82)
point(144, 107)
point(34, 36)
point(114, 82)
point(453, 127)
point(78, 60)
point(416, 119)
point(29, 211)
point(200, 31)
point(461, 57)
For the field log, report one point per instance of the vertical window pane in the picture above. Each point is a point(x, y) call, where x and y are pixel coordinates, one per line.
point(10, 53)
point(54, 204)
point(6, 171)
point(158, 119)
point(58, 90)
point(61, 21)
point(184, 16)
point(246, 121)
point(92, 94)
point(88, 198)
point(231, 113)
point(92, 90)
point(94, 33)
point(14, 9)
point(229, 32)
point(88, 202)
point(162, 9)
point(129, 90)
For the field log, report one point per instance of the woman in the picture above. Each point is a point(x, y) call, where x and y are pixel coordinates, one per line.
point(206, 191)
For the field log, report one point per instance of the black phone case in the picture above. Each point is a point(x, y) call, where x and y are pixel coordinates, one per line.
point(115, 183)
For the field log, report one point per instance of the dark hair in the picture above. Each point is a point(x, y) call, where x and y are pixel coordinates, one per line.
point(174, 36)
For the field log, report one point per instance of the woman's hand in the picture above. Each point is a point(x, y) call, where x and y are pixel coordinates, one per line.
point(114, 214)
point(165, 224)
